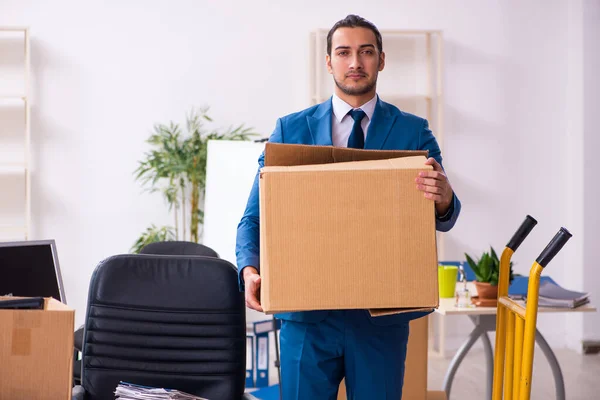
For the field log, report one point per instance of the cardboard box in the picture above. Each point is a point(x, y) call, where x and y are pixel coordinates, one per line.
point(415, 369)
point(337, 234)
point(36, 352)
point(436, 395)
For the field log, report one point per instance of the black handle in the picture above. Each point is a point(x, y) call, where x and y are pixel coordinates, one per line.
point(524, 230)
point(557, 243)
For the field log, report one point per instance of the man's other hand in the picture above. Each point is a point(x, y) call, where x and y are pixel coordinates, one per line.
point(435, 186)
point(252, 288)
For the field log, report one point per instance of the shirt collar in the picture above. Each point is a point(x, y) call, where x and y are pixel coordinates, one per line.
point(341, 108)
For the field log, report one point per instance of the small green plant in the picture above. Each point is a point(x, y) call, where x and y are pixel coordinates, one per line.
point(153, 234)
point(487, 268)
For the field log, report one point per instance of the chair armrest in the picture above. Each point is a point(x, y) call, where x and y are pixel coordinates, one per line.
point(78, 338)
point(78, 393)
point(248, 396)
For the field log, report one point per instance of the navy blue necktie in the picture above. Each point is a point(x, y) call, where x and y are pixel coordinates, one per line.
point(357, 136)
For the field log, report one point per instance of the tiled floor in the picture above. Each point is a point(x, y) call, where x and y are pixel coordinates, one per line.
point(581, 373)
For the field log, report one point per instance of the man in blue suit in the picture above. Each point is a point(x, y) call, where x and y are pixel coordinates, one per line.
point(319, 348)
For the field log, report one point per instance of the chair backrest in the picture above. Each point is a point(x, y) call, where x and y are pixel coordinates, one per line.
point(166, 321)
point(179, 248)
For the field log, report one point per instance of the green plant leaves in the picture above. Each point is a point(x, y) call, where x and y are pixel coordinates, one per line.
point(175, 165)
point(153, 234)
point(487, 267)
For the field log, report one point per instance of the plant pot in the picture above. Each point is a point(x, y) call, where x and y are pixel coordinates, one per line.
point(486, 291)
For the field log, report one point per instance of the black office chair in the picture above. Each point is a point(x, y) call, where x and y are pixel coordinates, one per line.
point(175, 248)
point(166, 321)
point(179, 248)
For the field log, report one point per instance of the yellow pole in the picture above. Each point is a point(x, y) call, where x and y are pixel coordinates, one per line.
point(519, 325)
point(501, 316)
point(500, 352)
point(530, 323)
point(510, 353)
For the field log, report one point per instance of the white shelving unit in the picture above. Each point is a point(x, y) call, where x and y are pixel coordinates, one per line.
point(15, 134)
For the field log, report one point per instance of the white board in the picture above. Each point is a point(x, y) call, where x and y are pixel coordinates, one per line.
point(230, 170)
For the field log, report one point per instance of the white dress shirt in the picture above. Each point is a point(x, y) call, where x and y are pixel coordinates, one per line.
point(342, 122)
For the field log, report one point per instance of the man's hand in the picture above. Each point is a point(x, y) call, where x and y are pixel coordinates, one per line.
point(252, 288)
point(435, 186)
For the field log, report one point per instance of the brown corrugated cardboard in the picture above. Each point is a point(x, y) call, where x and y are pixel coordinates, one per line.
point(415, 371)
point(415, 375)
point(345, 235)
point(285, 155)
point(36, 352)
point(436, 395)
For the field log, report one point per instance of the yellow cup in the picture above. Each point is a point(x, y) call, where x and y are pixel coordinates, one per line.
point(447, 275)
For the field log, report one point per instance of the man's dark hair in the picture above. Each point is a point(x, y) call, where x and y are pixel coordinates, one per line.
point(354, 21)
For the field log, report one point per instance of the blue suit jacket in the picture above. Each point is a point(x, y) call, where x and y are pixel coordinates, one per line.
point(390, 129)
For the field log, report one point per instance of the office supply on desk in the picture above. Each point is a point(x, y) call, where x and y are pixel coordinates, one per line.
point(469, 273)
point(262, 329)
point(130, 391)
point(447, 275)
point(31, 269)
point(266, 326)
point(553, 295)
point(27, 303)
point(249, 361)
point(463, 296)
point(262, 360)
point(518, 287)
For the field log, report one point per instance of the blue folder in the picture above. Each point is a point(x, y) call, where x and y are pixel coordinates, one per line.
point(249, 361)
point(262, 360)
point(518, 287)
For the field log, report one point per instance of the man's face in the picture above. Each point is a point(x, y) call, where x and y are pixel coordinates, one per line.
point(355, 60)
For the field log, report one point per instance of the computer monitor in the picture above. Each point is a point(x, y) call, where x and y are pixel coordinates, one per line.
point(30, 269)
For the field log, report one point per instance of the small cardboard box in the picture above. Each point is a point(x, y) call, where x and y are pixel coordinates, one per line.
point(36, 352)
point(337, 234)
point(415, 366)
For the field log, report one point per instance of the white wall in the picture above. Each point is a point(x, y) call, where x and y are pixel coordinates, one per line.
point(105, 73)
point(591, 121)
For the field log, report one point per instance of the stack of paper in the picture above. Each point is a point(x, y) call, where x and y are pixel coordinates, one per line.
point(130, 391)
point(552, 295)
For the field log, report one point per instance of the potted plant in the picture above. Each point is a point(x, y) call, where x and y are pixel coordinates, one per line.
point(487, 272)
point(176, 167)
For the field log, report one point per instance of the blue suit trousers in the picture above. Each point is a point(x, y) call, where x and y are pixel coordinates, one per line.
point(315, 356)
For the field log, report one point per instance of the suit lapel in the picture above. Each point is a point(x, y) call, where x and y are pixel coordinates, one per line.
point(380, 127)
point(319, 124)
